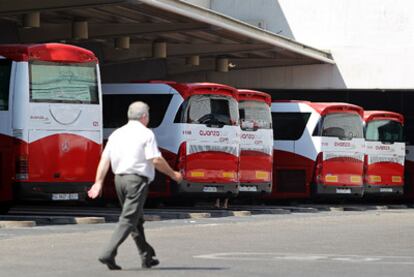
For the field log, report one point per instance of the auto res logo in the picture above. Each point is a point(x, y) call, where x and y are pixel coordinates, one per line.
point(383, 147)
point(208, 133)
point(248, 136)
point(342, 144)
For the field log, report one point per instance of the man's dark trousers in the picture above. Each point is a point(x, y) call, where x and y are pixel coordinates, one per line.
point(132, 192)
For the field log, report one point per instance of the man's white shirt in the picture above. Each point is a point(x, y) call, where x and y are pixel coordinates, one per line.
point(130, 149)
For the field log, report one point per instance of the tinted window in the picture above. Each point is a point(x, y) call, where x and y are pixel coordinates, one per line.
point(340, 125)
point(63, 83)
point(5, 67)
point(384, 130)
point(254, 115)
point(289, 126)
point(210, 110)
point(115, 108)
point(179, 115)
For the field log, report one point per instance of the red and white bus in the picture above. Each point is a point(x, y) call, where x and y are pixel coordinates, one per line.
point(256, 143)
point(318, 147)
point(385, 153)
point(197, 130)
point(409, 173)
point(50, 121)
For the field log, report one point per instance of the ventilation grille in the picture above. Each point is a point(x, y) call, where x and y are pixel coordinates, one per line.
point(196, 148)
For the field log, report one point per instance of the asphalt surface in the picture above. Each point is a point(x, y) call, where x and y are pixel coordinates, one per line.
point(346, 243)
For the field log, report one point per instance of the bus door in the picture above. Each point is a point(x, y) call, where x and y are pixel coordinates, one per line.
point(339, 166)
point(6, 143)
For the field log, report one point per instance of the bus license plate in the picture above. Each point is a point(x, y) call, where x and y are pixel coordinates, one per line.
point(385, 189)
point(343, 191)
point(248, 188)
point(65, 196)
point(210, 189)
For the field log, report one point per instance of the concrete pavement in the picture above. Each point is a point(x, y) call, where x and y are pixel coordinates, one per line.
point(369, 243)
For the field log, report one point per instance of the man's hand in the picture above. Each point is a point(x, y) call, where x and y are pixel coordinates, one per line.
point(178, 177)
point(161, 165)
point(95, 191)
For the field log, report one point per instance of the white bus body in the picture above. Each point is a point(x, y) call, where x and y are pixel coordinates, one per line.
point(196, 126)
point(50, 119)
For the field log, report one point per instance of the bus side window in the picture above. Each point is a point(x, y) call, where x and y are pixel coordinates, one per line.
point(5, 68)
point(115, 108)
point(179, 117)
point(318, 129)
point(289, 125)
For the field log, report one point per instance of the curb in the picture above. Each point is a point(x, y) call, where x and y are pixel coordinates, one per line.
point(336, 209)
point(17, 224)
point(199, 215)
point(397, 207)
point(168, 215)
point(355, 209)
point(89, 220)
point(148, 217)
point(269, 211)
point(241, 213)
point(381, 207)
point(300, 209)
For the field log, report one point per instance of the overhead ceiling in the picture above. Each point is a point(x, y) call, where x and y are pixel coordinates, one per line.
point(187, 29)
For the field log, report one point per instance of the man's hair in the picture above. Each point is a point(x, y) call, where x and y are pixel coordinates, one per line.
point(137, 110)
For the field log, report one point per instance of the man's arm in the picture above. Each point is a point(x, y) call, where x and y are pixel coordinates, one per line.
point(96, 188)
point(161, 165)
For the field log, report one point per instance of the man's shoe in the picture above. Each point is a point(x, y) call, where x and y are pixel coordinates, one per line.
point(110, 263)
point(150, 263)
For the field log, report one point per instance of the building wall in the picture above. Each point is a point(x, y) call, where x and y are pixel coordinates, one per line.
point(371, 41)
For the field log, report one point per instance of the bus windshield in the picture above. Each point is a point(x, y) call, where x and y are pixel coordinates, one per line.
point(63, 83)
point(342, 125)
point(254, 115)
point(384, 130)
point(211, 110)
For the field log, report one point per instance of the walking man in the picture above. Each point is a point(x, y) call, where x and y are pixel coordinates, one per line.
point(132, 152)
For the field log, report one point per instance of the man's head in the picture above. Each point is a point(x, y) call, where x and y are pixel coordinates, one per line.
point(139, 111)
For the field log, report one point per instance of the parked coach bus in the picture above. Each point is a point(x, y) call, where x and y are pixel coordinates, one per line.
point(409, 173)
point(50, 121)
point(256, 143)
point(197, 130)
point(318, 148)
point(384, 153)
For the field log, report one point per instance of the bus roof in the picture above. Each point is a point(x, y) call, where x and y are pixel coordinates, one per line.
point(247, 94)
point(188, 89)
point(334, 107)
point(291, 101)
point(50, 52)
point(324, 108)
point(380, 115)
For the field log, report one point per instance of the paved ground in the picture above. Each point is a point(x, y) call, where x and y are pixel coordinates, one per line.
point(369, 243)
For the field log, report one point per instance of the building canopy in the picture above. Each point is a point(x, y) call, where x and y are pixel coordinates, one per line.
point(189, 37)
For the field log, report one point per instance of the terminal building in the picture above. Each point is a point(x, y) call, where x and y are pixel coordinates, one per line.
point(370, 43)
point(321, 50)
